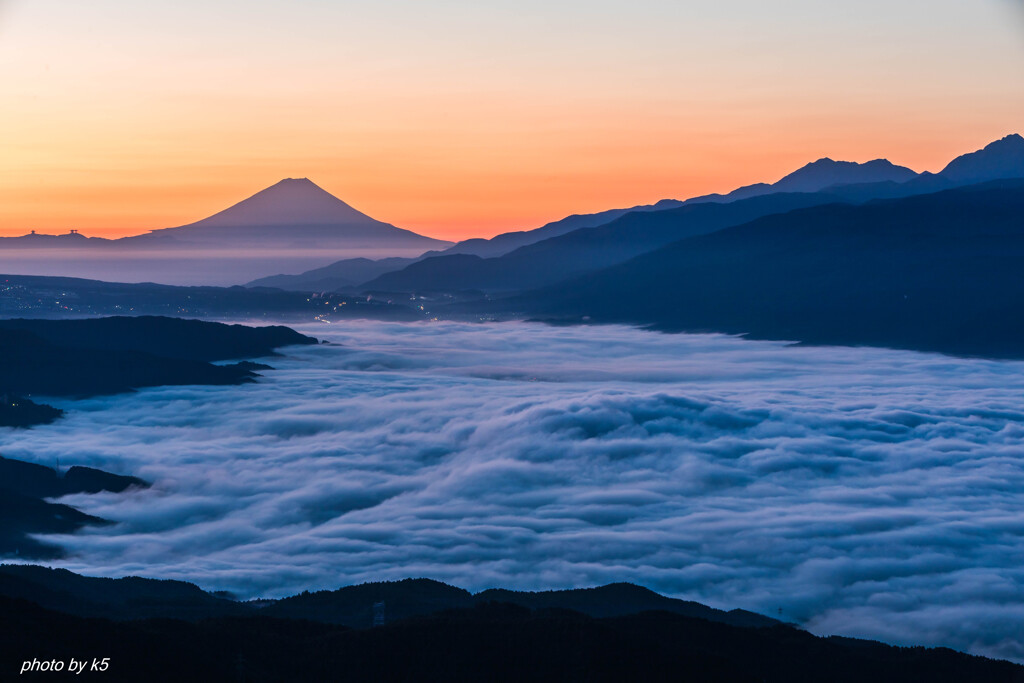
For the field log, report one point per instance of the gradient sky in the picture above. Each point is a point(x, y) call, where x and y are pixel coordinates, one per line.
point(462, 119)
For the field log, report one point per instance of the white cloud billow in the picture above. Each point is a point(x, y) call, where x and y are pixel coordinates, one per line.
point(865, 492)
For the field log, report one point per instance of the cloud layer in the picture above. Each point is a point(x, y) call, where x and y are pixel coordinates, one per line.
point(864, 492)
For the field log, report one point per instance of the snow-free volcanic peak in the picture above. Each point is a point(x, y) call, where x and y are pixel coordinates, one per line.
point(293, 215)
point(292, 201)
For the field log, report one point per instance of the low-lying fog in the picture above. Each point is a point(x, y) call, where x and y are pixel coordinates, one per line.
point(178, 266)
point(861, 492)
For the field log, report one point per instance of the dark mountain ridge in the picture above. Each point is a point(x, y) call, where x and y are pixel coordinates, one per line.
point(350, 273)
point(841, 180)
point(77, 358)
point(350, 606)
point(556, 259)
point(169, 337)
point(1000, 159)
point(483, 640)
point(579, 251)
point(814, 177)
point(826, 173)
point(935, 272)
point(34, 366)
point(344, 274)
point(622, 599)
point(510, 241)
point(24, 511)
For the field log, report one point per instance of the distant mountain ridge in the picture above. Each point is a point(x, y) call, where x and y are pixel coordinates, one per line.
point(338, 275)
point(509, 241)
point(557, 258)
point(813, 177)
point(296, 225)
point(1001, 159)
point(825, 173)
point(353, 272)
point(844, 180)
point(936, 272)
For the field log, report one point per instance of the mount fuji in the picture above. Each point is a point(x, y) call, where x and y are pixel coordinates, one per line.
point(294, 213)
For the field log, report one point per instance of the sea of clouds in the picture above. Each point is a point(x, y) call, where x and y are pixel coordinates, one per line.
point(862, 492)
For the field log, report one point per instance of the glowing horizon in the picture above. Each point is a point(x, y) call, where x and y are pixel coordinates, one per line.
point(461, 121)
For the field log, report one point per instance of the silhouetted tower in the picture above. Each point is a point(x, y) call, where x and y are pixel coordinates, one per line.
point(378, 613)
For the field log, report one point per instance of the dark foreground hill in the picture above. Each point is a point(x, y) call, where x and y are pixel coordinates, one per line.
point(588, 635)
point(36, 366)
point(350, 606)
point(169, 337)
point(492, 642)
point(24, 511)
point(78, 358)
point(938, 272)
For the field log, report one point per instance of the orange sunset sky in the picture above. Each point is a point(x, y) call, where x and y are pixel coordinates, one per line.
point(458, 119)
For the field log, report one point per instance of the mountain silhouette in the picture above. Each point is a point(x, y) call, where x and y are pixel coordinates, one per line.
point(510, 241)
point(349, 273)
point(342, 274)
point(24, 511)
point(291, 226)
point(823, 174)
point(873, 178)
point(844, 180)
point(297, 201)
point(586, 249)
point(813, 177)
point(938, 272)
point(195, 340)
point(614, 633)
point(32, 296)
point(477, 253)
point(1000, 159)
point(826, 173)
point(632, 233)
point(88, 357)
point(294, 213)
point(621, 599)
point(351, 606)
